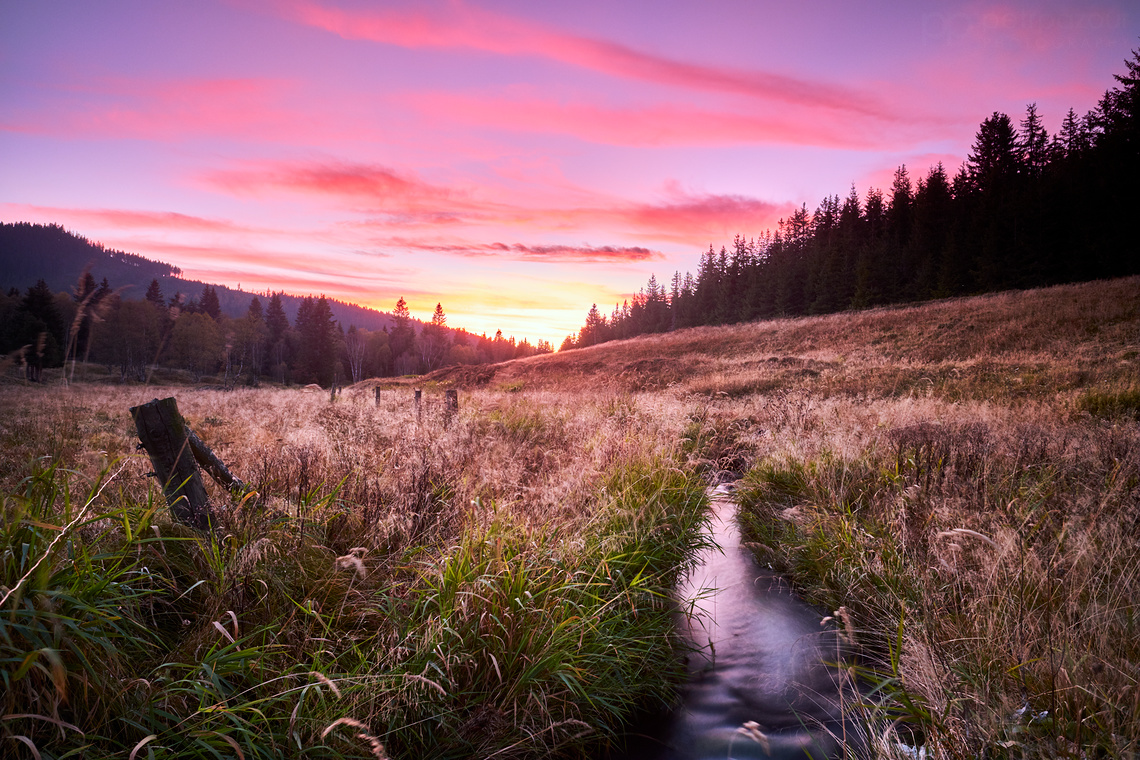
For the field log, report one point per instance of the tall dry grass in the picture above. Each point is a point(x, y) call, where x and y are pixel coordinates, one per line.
point(961, 476)
point(989, 560)
point(393, 584)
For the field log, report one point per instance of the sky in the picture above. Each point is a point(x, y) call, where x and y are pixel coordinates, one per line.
point(514, 161)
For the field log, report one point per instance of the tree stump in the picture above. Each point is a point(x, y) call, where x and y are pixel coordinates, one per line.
point(162, 431)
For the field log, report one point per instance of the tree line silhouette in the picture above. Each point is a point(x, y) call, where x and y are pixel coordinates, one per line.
point(1026, 209)
point(132, 337)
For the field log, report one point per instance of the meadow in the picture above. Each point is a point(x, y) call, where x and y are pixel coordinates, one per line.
point(959, 481)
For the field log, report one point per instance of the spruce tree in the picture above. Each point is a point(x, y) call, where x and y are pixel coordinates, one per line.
point(154, 295)
point(208, 304)
point(1033, 143)
point(403, 335)
point(277, 325)
point(38, 331)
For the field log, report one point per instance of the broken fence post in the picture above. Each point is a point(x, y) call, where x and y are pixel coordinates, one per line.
point(163, 434)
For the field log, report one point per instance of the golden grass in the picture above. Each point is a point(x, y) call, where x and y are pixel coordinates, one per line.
point(1003, 346)
point(966, 466)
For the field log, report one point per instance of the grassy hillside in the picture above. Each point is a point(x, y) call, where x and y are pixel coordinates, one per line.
point(1019, 344)
point(960, 481)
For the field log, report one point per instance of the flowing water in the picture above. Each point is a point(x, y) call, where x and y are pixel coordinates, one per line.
point(764, 660)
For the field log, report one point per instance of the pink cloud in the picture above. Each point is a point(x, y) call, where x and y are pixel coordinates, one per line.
point(394, 199)
point(466, 27)
point(582, 254)
point(165, 110)
point(662, 125)
point(366, 186)
point(129, 219)
point(709, 217)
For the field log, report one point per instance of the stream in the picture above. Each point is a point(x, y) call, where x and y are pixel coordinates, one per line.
point(763, 659)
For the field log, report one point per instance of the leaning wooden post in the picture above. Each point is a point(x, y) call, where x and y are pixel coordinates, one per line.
point(451, 407)
point(163, 434)
point(419, 394)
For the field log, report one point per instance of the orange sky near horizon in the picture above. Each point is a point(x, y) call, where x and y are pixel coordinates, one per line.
point(516, 162)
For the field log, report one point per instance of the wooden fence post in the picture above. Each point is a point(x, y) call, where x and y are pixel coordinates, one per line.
point(377, 395)
point(419, 394)
point(163, 434)
point(451, 408)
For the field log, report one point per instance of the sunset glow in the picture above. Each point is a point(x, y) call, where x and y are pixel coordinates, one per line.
point(514, 161)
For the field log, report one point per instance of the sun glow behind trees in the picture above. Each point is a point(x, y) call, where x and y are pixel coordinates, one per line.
point(515, 162)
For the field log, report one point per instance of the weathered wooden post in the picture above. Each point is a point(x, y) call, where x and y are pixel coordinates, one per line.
point(163, 433)
point(377, 395)
point(451, 407)
point(419, 394)
point(332, 392)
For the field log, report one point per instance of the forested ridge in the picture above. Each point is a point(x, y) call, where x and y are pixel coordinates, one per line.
point(1026, 209)
point(99, 323)
point(31, 252)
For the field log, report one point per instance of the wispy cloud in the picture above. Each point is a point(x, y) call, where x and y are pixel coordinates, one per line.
point(387, 200)
point(692, 219)
point(577, 254)
point(129, 219)
point(664, 125)
point(366, 187)
point(164, 109)
point(462, 26)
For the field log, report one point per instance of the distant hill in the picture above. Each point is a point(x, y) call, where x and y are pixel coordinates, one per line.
point(30, 252)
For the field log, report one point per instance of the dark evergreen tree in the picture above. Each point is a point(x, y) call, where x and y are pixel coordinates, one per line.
point(317, 333)
point(1075, 137)
point(154, 295)
point(402, 338)
point(275, 319)
point(933, 209)
point(994, 158)
point(276, 325)
point(1033, 143)
point(595, 330)
point(37, 331)
point(209, 304)
point(434, 341)
point(1115, 169)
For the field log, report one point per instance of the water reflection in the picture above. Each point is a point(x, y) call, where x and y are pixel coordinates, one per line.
point(762, 665)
